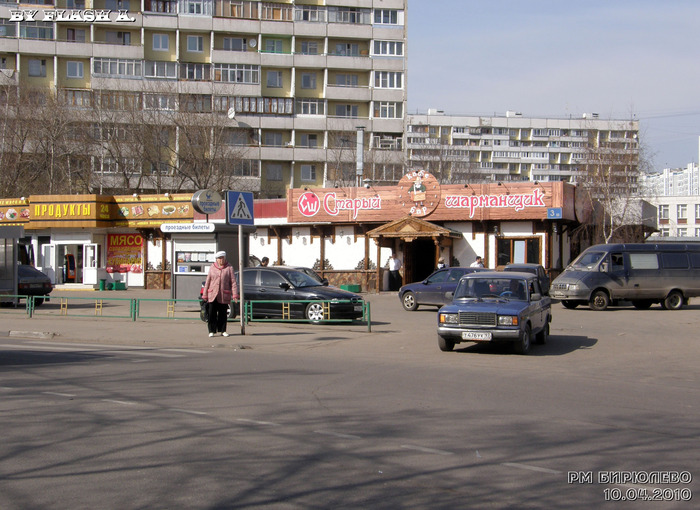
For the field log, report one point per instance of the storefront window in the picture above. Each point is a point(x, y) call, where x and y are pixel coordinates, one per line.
point(515, 251)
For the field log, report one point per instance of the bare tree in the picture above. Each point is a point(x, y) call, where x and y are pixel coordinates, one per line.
point(609, 180)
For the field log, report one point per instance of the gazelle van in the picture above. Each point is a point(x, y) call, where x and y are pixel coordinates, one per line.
point(645, 274)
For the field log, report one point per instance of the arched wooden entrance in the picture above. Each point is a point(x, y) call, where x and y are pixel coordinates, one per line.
point(420, 241)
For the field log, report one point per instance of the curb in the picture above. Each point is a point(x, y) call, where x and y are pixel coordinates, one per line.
point(32, 334)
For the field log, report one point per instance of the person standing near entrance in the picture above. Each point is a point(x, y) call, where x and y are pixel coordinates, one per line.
point(219, 290)
point(478, 262)
point(394, 275)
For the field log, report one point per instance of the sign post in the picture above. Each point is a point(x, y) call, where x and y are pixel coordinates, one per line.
point(239, 211)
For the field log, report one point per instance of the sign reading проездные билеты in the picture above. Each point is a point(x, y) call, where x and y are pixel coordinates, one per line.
point(72, 15)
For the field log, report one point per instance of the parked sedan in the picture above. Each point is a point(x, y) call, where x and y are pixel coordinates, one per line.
point(305, 294)
point(436, 289)
point(535, 269)
point(495, 307)
point(33, 282)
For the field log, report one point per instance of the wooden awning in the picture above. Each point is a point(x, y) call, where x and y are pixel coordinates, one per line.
point(410, 228)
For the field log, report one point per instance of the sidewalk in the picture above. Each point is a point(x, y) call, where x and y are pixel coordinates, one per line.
point(186, 330)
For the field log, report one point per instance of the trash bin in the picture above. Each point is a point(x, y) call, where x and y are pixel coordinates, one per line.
point(103, 284)
point(109, 286)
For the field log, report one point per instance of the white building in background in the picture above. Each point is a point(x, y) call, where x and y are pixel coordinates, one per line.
point(676, 194)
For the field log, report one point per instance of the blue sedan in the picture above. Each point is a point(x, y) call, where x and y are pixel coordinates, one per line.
point(435, 290)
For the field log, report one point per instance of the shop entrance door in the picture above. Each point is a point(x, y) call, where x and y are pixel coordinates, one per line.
point(90, 264)
point(48, 261)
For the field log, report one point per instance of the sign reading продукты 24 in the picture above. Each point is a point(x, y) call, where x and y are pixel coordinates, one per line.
point(239, 208)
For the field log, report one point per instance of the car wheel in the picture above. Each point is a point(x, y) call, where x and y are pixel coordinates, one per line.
point(542, 337)
point(409, 302)
point(38, 301)
point(445, 344)
point(231, 312)
point(599, 301)
point(642, 304)
point(569, 304)
point(314, 312)
point(674, 301)
point(522, 346)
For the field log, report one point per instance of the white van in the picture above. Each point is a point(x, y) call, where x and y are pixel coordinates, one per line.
point(665, 273)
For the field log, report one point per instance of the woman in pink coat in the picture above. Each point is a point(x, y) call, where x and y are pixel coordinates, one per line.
point(219, 289)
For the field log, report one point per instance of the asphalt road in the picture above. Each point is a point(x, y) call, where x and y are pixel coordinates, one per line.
point(350, 419)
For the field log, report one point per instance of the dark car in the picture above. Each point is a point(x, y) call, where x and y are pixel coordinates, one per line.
point(33, 282)
point(436, 289)
point(306, 295)
point(495, 307)
point(535, 269)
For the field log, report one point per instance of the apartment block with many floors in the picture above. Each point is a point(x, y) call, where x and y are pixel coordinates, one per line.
point(284, 86)
point(512, 147)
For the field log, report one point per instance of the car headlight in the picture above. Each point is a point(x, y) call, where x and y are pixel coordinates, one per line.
point(507, 320)
point(573, 286)
point(448, 318)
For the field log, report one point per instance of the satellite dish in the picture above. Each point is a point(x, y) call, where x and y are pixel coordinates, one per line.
point(231, 113)
point(253, 43)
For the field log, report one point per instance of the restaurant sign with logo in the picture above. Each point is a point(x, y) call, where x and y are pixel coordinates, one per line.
point(419, 194)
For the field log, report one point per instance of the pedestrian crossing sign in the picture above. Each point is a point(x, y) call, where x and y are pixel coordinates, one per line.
point(239, 205)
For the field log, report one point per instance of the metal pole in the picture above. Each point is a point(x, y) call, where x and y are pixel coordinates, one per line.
point(240, 278)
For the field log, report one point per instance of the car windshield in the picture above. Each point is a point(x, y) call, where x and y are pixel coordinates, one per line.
point(480, 288)
point(300, 279)
point(588, 260)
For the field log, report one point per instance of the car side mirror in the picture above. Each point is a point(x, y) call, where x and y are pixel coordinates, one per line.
point(324, 282)
point(535, 296)
point(449, 296)
point(284, 285)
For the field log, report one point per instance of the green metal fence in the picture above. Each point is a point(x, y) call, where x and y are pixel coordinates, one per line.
point(133, 309)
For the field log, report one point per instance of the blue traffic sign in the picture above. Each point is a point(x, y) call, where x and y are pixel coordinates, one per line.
point(239, 208)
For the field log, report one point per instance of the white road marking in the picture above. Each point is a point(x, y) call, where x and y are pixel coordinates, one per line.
point(531, 468)
point(57, 394)
point(187, 411)
point(193, 351)
point(336, 434)
point(256, 422)
point(426, 450)
point(122, 402)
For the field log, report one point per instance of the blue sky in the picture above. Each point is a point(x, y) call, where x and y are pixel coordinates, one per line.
point(618, 58)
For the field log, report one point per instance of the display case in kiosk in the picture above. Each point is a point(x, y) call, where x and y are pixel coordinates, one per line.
point(193, 249)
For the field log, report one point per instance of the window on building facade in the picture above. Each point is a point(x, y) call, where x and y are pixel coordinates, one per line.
point(347, 50)
point(663, 211)
point(349, 111)
point(274, 79)
point(387, 110)
point(308, 80)
point(272, 139)
point(276, 12)
point(160, 102)
point(517, 251)
point(273, 172)
point(114, 37)
point(697, 232)
point(697, 212)
point(161, 42)
point(117, 67)
point(681, 212)
point(309, 140)
point(309, 48)
point(346, 80)
point(74, 69)
point(388, 80)
point(237, 73)
point(388, 48)
point(311, 107)
point(386, 17)
point(664, 232)
point(36, 30)
point(308, 172)
point(195, 43)
point(310, 13)
point(682, 232)
point(235, 44)
point(159, 69)
point(37, 67)
point(195, 72)
point(273, 46)
point(75, 34)
point(199, 103)
point(352, 15)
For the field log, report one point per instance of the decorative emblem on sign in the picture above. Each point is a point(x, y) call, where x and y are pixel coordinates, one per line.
point(419, 192)
point(309, 204)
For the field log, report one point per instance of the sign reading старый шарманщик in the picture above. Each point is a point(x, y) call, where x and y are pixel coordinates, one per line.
point(72, 15)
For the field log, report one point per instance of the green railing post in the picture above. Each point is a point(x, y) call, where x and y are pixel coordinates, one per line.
point(134, 309)
point(29, 304)
point(368, 317)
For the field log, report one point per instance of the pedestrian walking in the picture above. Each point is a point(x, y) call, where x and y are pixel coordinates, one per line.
point(219, 290)
point(394, 275)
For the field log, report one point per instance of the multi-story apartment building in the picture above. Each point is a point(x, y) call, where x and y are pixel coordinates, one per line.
point(515, 148)
point(283, 85)
point(676, 194)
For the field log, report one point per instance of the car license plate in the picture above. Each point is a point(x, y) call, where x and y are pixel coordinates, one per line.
point(482, 336)
point(358, 308)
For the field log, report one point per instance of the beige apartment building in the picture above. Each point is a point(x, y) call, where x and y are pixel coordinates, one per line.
point(287, 84)
point(513, 147)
